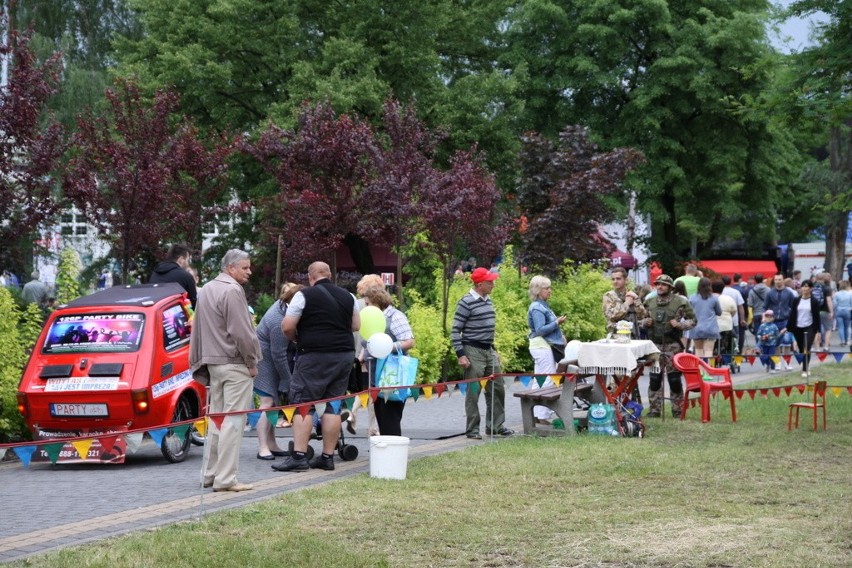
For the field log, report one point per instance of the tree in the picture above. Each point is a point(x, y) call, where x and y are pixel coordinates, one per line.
point(29, 149)
point(821, 102)
point(141, 180)
point(404, 174)
point(461, 214)
point(561, 194)
point(321, 170)
point(656, 76)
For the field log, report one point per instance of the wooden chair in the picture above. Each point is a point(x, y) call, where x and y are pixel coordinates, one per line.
point(692, 368)
point(819, 393)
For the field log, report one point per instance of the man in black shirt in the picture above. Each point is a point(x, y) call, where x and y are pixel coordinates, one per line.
point(320, 319)
point(175, 269)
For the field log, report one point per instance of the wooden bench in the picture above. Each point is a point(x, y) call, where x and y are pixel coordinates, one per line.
point(558, 399)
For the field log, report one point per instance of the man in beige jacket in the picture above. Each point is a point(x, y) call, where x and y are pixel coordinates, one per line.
point(224, 350)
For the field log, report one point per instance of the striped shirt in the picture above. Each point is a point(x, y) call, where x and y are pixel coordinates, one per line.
point(473, 323)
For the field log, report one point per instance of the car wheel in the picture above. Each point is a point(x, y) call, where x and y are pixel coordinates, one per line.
point(174, 448)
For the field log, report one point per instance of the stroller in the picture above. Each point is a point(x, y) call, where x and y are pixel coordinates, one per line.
point(726, 348)
point(347, 452)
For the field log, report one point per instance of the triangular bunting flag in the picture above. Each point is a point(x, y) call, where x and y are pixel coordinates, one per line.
point(335, 406)
point(788, 390)
point(557, 379)
point(349, 402)
point(836, 391)
point(786, 358)
point(52, 450)
point(726, 360)
point(801, 388)
point(157, 434)
point(364, 397)
point(848, 389)
point(525, 380)
point(304, 410)
point(440, 388)
point(482, 384)
point(738, 359)
point(133, 441)
point(539, 379)
point(253, 419)
point(216, 420)
point(751, 393)
point(290, 411)
point(415, 393)
point(776, 391)
point(2, 453)
point(181, 431)
point(821, 356)
point(201, 426)
point(427, 392)
point(25, 454)
point(462, 387)
point(764, 393)
point(82, 447)
point(272, 416)
point(776, 359)
point(750, 359)
point(107, 442)
point(319, 408)
point(373, 394)
point(739, 394)
point(838, 357)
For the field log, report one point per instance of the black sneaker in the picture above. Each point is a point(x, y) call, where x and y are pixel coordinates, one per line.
point(322, 462)
point(292, 464)
point(501, 432)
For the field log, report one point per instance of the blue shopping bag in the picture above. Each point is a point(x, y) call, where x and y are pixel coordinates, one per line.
point(396, 370)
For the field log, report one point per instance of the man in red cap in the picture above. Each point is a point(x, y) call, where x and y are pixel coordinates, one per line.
point(473, 341)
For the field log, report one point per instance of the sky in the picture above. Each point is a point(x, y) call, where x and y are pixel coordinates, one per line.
point(794, 32)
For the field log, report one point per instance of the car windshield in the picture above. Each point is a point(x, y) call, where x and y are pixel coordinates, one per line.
point(95, 333)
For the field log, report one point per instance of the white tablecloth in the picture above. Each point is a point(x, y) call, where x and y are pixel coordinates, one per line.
point(609, 358)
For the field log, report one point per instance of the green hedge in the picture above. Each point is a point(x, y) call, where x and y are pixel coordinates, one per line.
point(18, 333)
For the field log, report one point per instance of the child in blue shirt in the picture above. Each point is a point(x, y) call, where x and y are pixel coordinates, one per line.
point(767, 340)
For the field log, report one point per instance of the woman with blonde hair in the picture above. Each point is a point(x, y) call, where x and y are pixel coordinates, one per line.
point(388, 412)
point(365, 283)
point(547, 343)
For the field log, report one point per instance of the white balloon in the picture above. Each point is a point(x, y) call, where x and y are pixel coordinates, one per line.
point(380, 345)
point(572, 350)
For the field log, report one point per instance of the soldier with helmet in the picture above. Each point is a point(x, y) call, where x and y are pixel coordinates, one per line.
point(669, 315)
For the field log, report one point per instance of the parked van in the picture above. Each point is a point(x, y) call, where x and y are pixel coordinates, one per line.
point(113, 361)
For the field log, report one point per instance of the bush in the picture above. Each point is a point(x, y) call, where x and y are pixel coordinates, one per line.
point(430, 346)
point(68, 276)
point(578, 294)
point(18, 333)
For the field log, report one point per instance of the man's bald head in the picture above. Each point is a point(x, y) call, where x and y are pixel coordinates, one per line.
point(318, 270)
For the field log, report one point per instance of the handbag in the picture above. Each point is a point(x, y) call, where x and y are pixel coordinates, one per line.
point(558, 352)
point(396, 370)
point(357, 378)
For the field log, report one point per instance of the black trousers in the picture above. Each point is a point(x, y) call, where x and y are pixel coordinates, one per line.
point(389, 416)
point(805, 339)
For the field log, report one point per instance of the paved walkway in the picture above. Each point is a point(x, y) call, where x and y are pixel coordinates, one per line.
point(46, 507)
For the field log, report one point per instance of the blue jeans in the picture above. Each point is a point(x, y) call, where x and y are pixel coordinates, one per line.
point(766, 353)
point(844, 318)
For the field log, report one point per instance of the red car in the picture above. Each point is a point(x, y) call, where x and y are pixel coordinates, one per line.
point(113, 361)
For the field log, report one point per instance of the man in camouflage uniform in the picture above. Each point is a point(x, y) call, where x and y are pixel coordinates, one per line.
point(669, 315)
point(621, 304)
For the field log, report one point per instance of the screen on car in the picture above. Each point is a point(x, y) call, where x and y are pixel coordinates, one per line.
point(95, 333)
point(175, 327)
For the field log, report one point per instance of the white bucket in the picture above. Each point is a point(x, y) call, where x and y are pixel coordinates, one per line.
point(388, 456)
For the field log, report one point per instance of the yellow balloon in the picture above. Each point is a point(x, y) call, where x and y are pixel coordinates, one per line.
point(372, 322)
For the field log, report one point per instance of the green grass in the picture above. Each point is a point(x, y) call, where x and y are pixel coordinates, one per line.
point(688, 495)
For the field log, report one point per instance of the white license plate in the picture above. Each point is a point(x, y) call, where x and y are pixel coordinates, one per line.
point(78, 409)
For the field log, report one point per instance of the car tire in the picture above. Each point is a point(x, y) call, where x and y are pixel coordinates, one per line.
point(173, 447)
